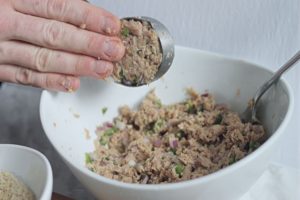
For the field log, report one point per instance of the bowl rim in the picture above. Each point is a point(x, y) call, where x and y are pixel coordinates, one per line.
point(196, 181)
point(47, 190)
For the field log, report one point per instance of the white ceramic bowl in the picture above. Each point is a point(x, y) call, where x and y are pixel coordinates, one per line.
point(30, 166)
point(231, 81)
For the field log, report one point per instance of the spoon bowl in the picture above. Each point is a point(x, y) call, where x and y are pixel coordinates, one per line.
point(166, 45)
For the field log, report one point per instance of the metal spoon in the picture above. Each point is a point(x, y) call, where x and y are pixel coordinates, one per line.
point(166, 44)
point(249, 115)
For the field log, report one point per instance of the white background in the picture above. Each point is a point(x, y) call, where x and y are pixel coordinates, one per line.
point(266, 32)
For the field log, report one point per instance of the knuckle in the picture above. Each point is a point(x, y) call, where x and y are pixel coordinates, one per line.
point(53, 32)
point(86, 15)
point(83, 66)
point(36, 4)
point(58, 8)
point(42, 59)
point(24, 76)
point(47, 82)
point(6, 24)
point(6, 52)
point(92, 42)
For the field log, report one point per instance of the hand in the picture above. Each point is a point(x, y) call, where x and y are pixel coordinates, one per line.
point(51, 43)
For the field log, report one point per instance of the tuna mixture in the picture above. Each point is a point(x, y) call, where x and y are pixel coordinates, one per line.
point(11, 188)
point(143, 54)
point(170, 143)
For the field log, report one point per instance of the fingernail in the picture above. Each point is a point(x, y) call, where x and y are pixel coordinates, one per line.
point(103, 69)
point(112, 49)
point(68, 84)
point(111, 26)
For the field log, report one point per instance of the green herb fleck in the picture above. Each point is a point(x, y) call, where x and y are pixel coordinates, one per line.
point(107, 134)
point(219, 119)
point(190, 107)
point(179, 134)
point(148, 132)
point(106, 158)
point(158, 125)
point(123, 78)
point(110, 131)
point(154, 127)
point(158, 103)
point(121, 74)
point(232, 159)
point(201, 107)
point(92, 169)
point(179, 168)
point(104, 110)
point(173, 151)
point(103, 140)
point(88, 158)
point(149, 127)
point(125, 32)
point(253, 145)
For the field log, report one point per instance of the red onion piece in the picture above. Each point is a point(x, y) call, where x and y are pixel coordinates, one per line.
point(101, 128)
point(173, 143)
point(157, 143)
point(108, 124)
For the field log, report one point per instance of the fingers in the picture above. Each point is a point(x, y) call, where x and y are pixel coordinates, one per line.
point(61, 36)
point(47, 60)
point(45, 48)
point(15, 74)
point(76, 12)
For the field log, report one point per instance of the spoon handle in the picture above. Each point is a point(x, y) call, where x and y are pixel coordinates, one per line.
point(276, 76)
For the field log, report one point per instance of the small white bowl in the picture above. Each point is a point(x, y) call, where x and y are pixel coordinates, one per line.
point(65, 116)
point(30, 166)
